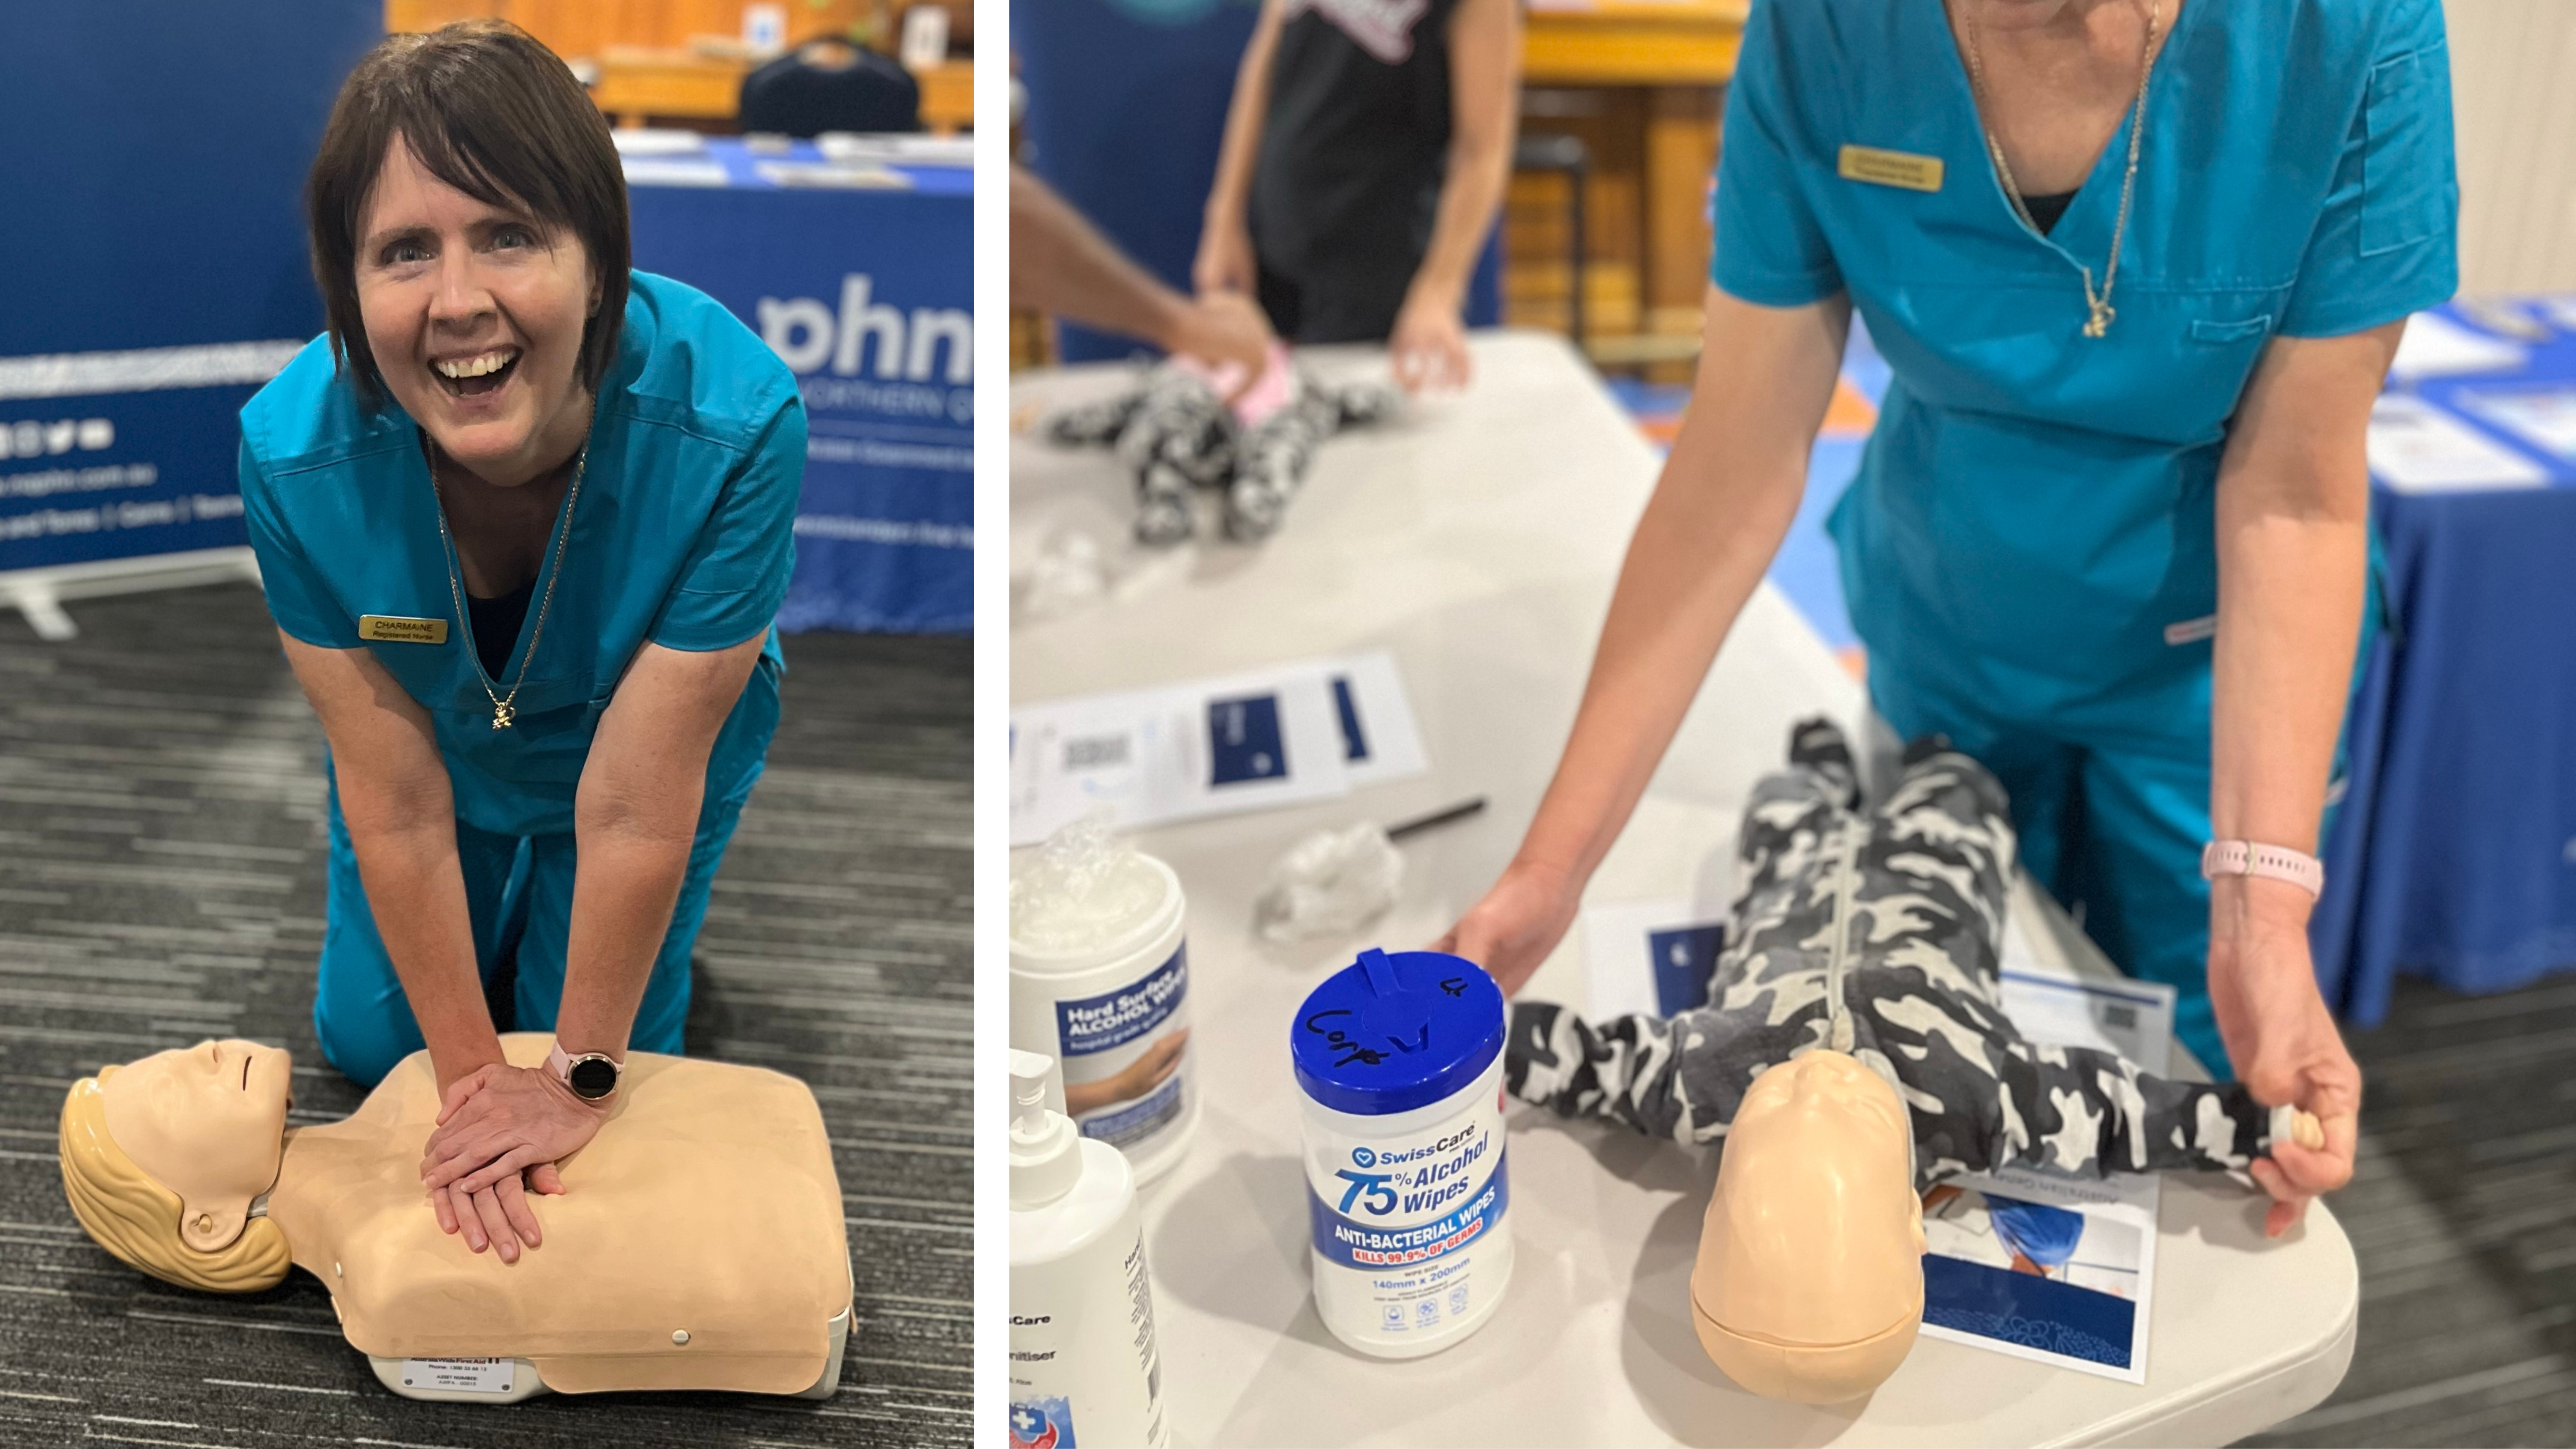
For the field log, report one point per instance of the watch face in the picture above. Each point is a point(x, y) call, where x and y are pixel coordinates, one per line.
point(594, 1078)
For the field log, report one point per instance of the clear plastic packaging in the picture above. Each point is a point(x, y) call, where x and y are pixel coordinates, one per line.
point(1331, 883)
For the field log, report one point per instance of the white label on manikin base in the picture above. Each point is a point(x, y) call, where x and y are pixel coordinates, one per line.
point(459, 1375)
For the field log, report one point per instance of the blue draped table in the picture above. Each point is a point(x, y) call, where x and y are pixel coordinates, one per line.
point(868, 293)
point(2453, 855)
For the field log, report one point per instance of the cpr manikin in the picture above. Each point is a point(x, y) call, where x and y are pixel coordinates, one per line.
point(1178, 433)
point(1854, 1052)
point(699, 1242)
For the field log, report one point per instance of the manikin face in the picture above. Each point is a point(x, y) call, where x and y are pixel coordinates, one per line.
point(209, 1123)
point(475, 315)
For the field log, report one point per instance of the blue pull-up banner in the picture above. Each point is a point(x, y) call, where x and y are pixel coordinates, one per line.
point(152, 157)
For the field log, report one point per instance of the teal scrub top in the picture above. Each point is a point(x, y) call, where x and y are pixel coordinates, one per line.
point(682, 536)
point(2033, 521)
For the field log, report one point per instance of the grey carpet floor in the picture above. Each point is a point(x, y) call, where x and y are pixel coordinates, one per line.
point(161, 881)
point(2463, 1215)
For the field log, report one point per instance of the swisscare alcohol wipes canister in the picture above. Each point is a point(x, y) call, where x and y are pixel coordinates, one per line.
point(1400, 1062)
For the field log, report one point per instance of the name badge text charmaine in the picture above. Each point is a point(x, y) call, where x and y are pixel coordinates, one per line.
point(1890, 168)
point(395, 629)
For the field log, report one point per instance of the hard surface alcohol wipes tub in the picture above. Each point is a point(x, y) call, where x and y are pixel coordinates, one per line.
point(1399, 1060)
point(1100, 980)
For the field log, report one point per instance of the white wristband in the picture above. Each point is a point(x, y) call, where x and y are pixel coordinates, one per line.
point(2246, 857)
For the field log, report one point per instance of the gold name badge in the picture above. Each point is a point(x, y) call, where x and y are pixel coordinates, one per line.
point(1891, 168)
point(393, 629)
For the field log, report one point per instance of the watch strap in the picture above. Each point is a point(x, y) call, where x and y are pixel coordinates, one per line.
point(2275, 862)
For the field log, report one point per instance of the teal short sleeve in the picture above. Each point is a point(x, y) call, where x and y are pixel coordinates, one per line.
point(1770, 246)
point(736, 576)
point(298, 598)
point(2387, 241)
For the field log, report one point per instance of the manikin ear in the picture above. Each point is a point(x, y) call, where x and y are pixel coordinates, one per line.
point(210, 1226)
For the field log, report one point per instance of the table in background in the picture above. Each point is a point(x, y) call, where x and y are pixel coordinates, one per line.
point(1477, 542)
point(2454, 854)
point(869, 295)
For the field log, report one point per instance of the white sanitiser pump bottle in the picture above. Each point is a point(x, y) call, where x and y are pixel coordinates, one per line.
point(1084, 1368)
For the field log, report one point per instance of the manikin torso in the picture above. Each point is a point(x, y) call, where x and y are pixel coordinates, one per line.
point(699, 1242)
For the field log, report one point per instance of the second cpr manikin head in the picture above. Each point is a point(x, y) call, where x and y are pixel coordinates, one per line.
point(1809, 1282)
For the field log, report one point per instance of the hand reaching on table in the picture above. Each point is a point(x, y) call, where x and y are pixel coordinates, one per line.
point(501, 1131)
point(2282, 1041)
point(1428, 346)
point(1516, 925)
point(1225, 260)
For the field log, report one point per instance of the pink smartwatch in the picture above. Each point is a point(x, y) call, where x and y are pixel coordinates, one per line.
point(592, 1076)
point(2245, 857)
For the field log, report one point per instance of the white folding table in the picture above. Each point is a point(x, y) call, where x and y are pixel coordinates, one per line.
point(1477, 540)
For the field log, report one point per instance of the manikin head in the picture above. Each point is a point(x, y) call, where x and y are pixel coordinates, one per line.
point(1809, 1283)
point(162, 1159)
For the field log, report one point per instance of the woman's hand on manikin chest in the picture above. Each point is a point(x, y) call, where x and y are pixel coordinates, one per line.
point(2060, 76)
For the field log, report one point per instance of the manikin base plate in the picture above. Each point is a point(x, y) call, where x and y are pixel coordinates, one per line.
point(524, 1382)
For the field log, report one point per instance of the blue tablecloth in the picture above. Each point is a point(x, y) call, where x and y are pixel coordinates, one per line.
point(868, 293)
point(2454, 853)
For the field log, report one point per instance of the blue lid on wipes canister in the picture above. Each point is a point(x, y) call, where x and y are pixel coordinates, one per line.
point(1390, 1033)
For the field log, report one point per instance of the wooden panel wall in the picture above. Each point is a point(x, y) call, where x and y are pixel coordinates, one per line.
point(580, 28)
point(1537, 282)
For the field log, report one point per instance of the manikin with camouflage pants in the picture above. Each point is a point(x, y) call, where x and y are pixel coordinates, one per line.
point(1854, 1052)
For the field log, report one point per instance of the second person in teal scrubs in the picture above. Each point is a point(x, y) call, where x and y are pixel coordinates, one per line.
point(524, 517)
point(2138, 268)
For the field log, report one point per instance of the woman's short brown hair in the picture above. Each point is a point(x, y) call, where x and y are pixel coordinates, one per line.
point(493, 113)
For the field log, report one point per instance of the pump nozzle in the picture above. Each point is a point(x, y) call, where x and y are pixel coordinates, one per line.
point(1044, 1073)
point(1045, 1150)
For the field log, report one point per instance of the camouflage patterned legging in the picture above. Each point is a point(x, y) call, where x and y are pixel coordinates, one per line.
point(1879, 935)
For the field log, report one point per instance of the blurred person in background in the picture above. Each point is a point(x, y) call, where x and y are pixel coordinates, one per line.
point(1365, 156)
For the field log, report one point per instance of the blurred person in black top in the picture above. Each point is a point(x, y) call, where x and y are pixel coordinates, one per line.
point(1365, 156)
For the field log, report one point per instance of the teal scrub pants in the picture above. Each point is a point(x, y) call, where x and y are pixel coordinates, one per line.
point(2111, 823)
point(518, 893)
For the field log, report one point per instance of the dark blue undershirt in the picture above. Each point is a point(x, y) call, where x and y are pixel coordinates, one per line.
point(496, 625)
point(2045, 210)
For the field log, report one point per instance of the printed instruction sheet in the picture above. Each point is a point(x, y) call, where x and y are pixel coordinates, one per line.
point(2035, 1267)
point(2415, 447)
point(2436, 346)
point(1285, 735)
point(2543, 417)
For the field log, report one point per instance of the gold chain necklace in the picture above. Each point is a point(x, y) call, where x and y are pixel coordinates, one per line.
point(504, 707)
point(2098, 310)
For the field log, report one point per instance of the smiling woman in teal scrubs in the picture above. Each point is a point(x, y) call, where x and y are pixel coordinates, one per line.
point(524, 518)
point(2138, 268)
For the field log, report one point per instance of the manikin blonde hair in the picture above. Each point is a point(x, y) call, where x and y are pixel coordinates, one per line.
point(137, 1218)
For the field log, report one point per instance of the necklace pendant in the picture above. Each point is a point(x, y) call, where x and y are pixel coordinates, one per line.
point(2100, 322)
point(501, 716)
